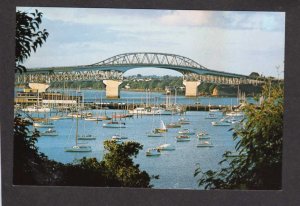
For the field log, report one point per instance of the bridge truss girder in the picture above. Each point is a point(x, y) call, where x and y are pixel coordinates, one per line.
point(114, 67)
point(219, 79)
point(94, 75)
point(148, 58)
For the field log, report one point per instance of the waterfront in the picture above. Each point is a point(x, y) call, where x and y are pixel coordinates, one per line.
point(175, 168)
point(133, 97)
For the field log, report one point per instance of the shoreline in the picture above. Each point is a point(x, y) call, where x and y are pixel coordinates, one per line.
point(143, 90)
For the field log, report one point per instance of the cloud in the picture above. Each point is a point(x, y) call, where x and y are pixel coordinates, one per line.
point(187, 18)
point(228, 41)
point(249, 20)
point(245, 20)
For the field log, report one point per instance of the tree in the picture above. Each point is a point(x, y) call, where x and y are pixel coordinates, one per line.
point(258, 165)
point(34, 168)
point(120, 165)
point(254, 75)
point(30, 166)
point(117, 168)
point(28, 36)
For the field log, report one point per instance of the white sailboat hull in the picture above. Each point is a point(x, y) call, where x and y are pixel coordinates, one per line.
point(41, 125)
point(166, 147)
point(153, 152)
point(78, 149)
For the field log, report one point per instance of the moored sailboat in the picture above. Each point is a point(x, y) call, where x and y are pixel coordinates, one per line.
point(186, 132)
point(49, 132)
point(114, 124)
point(162, 128)
point(205, 143)
point(183, 138)
point(167, 147)
point(43, 124)
point(77, 147)
point(221, 123)
point(183, 120)
point(153, 152)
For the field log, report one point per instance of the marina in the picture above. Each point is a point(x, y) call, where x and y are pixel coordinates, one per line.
point(177, 149)
point(150, 98)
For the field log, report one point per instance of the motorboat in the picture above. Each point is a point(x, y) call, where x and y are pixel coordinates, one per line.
point(55, 118)
point(93, 119)
point(150, 111)
point(205, 144)
point(153, 152)
point(36, 109)
point(86, 137)
point(186, 132)
point(81, 115)
point(214, 110)
point(43, 124)
point(235, 121)
point(221, 123)
point(183, 121)
point(114, 124)
point(78, 148)
point(118, 137)
point(183, 138)
point(154, 134)
point(234, 114)
point(105, 117)
point(201, 133)
point(211, 116)
point(166, 147)
point(173, 125)
point(119, 116)
point(49, 132)
point(203, 137)
point(74, 115)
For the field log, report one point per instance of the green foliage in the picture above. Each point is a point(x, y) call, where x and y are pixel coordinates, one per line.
point(117, 168)
point(34, 168)
point(254, 75)
point(120, 165)
point(30, 166)
point(28, 36)
point(86, 172)
point(259, 163)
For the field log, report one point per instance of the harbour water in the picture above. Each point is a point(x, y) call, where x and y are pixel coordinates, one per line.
point(175, 168)
point(155, 98)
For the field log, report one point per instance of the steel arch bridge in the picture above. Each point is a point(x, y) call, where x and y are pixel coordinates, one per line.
point(114, 67)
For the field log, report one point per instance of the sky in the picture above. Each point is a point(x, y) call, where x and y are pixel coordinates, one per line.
point(231, 41)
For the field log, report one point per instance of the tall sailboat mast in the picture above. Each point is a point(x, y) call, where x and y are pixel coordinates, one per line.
point(76, 137)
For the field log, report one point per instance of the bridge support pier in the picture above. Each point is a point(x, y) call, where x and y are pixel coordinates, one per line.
point(40, 87)
point(191, 88)
point(112, 88)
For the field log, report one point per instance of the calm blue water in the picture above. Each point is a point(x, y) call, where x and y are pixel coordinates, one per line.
point(175, 168)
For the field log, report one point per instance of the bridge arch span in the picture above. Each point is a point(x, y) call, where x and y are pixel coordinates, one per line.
point(127, 61)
